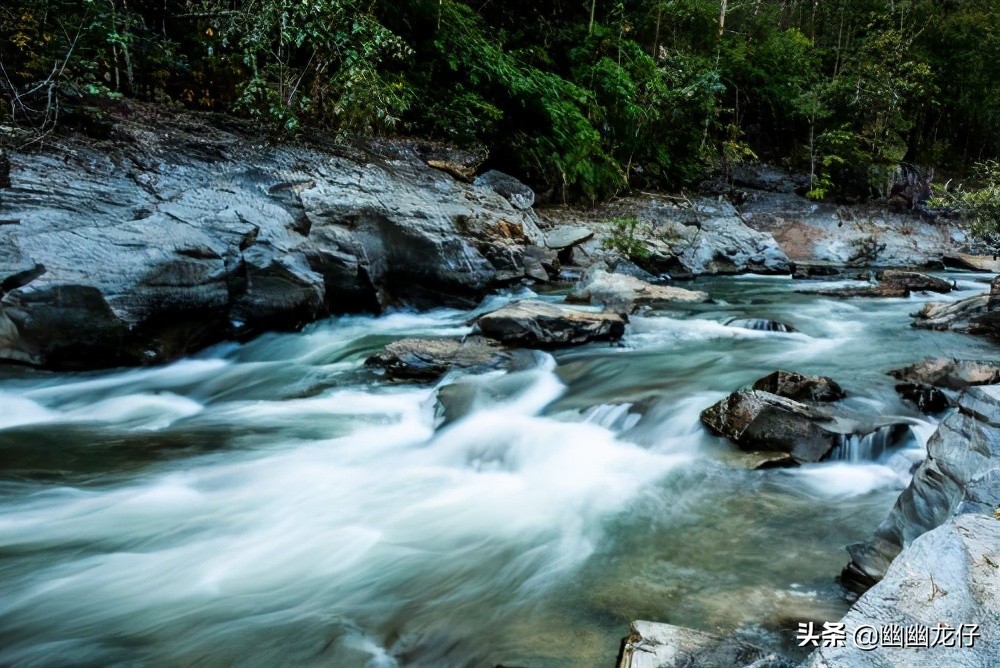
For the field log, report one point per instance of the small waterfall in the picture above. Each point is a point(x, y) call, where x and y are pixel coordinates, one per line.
point(868, 447)
point(759, 324)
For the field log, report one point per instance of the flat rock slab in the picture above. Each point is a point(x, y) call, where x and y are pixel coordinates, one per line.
point(973, 262)
point(949, 373)
point(535, 324)
point(428, 359)
point(627, 294)
point(654, 645)
point(894, 283)
point(950, 576)
point(566, 237)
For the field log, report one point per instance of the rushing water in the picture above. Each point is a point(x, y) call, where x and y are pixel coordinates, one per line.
point(277, 503)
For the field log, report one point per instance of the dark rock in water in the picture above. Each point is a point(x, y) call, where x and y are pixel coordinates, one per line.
point(629, 268)
point(949, 373)
point(798, 387)
point(759, 324)
point(172, 239)
point(760, 421)
point(656, 645)
point(539, 324)
point(626, 294)
point(949, 576)
point(894, 283)
point(928, 399)
point(960, 475)
point(508, 187)
point(914, 281)
point(428, 359)
point(824, 271)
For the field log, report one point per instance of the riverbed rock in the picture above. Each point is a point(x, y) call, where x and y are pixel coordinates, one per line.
point(867, 235)
point(798, 387)
point(177, 234)
point(657, 645)
point(627, 294)
point(950, 373)
point(927, 398)
point(539, 324)
point(567, 237)
point(894, 283)
point(429, 359)
point(760, 325)
point(759, 421)
point(947, 576)
point(960, 475)
point(519, 195)
point(987, 263)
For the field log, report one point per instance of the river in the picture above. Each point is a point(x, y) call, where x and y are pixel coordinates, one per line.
point(276, 502)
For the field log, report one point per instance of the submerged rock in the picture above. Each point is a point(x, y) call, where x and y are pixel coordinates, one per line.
point(656, 645)
point(759, 421)
point(798, 387)
point(760, 324)
point(949, 576)
point(539, 324)
point(627, 294)
point(960, 475)
point(428, 359)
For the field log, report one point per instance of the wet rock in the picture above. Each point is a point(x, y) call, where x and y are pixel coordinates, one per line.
point(950, 373)
point(914, 281)
point(798, 387)
point(543, 325)
point(758, 421)
point(894, 283)
point(760, 325)
point(969, 315)
point(174, 238)
point(960, 475)
point(824, 271)
point(519, 195)
point(951, 576)
point(627, 294)
point(428, 359)
point(655, 645)
point(928, 399)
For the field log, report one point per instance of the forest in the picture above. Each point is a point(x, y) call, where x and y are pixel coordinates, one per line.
point(582, 99)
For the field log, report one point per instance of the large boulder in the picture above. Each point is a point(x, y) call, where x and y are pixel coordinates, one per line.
point(429, 359)
point(174, 236)
point(627, 294)
point(961, 474)
point(798, 387)
point(535, 324)
point(921, 383)
point(758, 421)
point(947, 577)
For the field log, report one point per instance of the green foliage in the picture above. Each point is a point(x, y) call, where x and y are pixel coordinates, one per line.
point(978, 204)
point(626, 238)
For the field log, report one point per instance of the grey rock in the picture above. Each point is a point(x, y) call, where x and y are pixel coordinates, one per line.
point(519, 195)
point(173, 238)
point(539, 324)
point(429, 359)
point(950, 373)
point(970, 262)
point(567, 237)
point(760, 325)
point(798, 387)
point(961, 474)
point(656, 645)
point(627, 294)
point(758, 421)
point(950, 576)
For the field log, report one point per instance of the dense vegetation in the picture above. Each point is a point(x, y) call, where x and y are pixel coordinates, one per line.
point(583, 98)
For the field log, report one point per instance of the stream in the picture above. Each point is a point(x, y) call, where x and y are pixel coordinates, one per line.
point(277, 502)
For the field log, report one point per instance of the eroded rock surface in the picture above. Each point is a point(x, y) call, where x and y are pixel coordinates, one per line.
point(428, 359)
point(627, 294)
point(535, 324)
point(798, 387)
